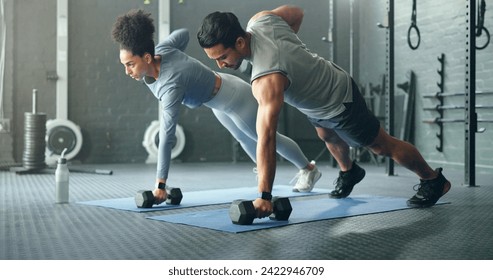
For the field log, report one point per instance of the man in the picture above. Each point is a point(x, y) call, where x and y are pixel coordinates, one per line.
point(284, 70)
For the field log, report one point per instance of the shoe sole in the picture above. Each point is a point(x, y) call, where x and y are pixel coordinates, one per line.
point(341, 196)
point(309, 190)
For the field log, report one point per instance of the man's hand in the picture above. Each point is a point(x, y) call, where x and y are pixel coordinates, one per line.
point(263, 207)
point(159, 196)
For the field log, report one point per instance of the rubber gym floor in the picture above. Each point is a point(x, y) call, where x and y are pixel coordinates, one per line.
point(33, 227)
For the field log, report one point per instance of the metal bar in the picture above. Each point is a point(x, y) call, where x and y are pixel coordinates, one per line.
point(441, 86)
point(330, 32)
point(389, 120)
point(35, 102)
point(439, 120)
point(453, 107)
point(62, 60)
point(439, 94)
point(351, 37)
point(164, 7)
point(470, 119)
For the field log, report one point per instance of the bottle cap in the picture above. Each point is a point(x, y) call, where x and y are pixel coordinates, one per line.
point(62, 160)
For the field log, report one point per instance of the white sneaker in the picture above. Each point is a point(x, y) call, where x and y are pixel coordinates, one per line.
point(306, 179)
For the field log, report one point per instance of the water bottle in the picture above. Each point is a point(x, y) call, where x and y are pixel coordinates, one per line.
point(62, 179)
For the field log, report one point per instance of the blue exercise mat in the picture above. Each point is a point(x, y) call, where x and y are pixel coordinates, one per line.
point(307, 210)
point(200, 198)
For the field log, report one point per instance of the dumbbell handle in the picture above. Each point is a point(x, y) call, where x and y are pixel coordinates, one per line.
point(243, 211)
point(145, 199)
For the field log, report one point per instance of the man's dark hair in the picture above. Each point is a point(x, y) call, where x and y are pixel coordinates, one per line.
point(220, 28)
point(134, 31)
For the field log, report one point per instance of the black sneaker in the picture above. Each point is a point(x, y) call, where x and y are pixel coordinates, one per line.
point(346, 181)
point(429, 191)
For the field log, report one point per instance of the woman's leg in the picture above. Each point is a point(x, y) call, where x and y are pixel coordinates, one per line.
point(235, 100)
point(248, 144)
point(237, 106)
point(238, 113)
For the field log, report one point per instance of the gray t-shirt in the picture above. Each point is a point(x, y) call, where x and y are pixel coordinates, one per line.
point(318, 88)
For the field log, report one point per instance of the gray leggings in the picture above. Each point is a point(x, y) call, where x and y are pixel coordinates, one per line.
point(236, 109)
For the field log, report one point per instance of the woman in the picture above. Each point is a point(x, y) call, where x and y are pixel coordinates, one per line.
point(176, 78)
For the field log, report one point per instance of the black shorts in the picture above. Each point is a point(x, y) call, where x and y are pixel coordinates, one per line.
point(357, 125)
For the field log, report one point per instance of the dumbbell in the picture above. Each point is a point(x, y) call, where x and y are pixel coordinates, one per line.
point(242, 212)
point(145, 198)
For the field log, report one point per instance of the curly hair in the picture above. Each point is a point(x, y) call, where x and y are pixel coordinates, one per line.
point(134, 31)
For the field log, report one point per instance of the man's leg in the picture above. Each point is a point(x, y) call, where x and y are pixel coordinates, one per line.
point(433, 184)
point(337, 147)
point(351, 173)
point(403, 153)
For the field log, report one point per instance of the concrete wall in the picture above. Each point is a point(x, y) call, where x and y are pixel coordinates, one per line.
point(6, 138)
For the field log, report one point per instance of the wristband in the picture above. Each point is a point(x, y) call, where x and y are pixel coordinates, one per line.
point(161, 186)
point(265, 196)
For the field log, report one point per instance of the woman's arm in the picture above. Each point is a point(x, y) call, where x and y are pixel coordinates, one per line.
point(170, 106)
point(178, 39)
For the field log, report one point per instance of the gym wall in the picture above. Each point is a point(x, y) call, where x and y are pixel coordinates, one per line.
point(442, 25)
point(113, 111)
point(6, 98)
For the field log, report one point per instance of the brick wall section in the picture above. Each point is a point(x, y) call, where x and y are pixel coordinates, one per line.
point(31, 52)
point(111, 109)
point(117, 110)
point(443, 30)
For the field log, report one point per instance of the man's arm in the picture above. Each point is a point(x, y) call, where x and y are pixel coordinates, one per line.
point(269, 92)
point(292, 15)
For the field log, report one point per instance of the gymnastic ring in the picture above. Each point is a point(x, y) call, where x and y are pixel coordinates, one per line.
point(151, 141)
point(413, 26)
point(61, 134)
point(487, 39)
